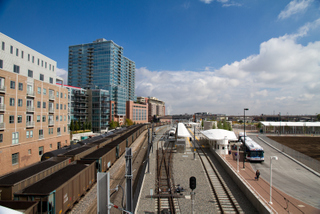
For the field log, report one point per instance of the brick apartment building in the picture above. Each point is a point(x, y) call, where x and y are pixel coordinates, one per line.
point(137, 112)
point(33, 108)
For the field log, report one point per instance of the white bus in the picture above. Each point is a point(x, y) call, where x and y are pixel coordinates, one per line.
point(254, 152)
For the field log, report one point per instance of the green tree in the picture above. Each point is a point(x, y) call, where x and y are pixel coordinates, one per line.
point(129, 122)
point(72, 125)
point(225, 125)
point(77, 125)
point(112, 125)
point(318, 117)
point(214, 126)
point(229, 127)
point(220, 125)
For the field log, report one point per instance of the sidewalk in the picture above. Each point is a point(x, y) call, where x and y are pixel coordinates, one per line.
point(282, 203)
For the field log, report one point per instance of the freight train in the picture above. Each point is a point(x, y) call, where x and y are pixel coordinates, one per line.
point(66, 174)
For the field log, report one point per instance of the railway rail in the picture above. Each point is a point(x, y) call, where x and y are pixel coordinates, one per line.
point(166, 198)
point(226, 203)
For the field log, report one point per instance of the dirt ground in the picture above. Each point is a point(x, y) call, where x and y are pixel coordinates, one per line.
point(307, 145)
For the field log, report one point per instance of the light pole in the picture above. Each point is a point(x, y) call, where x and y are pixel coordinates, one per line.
point(244, 137)
point(271, 158)
point(238, 155)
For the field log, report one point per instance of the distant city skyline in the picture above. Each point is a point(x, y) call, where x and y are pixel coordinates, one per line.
point(203, 55)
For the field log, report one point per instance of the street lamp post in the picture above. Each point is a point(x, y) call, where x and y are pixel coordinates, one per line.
point(271, 158)
point(244, 137)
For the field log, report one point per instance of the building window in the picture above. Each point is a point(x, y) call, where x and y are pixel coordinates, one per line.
point(43, 118)
point(29, 151)
point(20, 86)
point(11, 101)
point(11, 49)
point(15, 158)
point(41, 63)
point(60, 117)
point(32, 59)
point(15, 138)
point(64, 129)
point(57, 118)
point(65, 117)
point(61, 95)
point(12, 84)
point(39, 104)
point(57, 106)
point(1, 63)
point(17, 52)
point(51, 80)
point(31, 134)
point(51, 146)
point(58, 130)
point(39, 90)
point(28, 57)
point(40, 133)
point(19, 118)
point(44, 91)
point(22, 54)
point(65, 106)
point(30, 73)
point(38, 118)
point(49, 66)
point(41, 77)
point(61, 106)
point(41, 150)
point(65, 96)
point(27, 134)
point(1, 138)
point(57, 94)
point(16, 69)
point(44, 105)
point(38, 61)
point(3, 46)
point(58, 145)
point(52, 68)
point(20, 102)
point(11, 119)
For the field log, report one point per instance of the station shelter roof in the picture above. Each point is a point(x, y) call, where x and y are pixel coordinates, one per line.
point(301, 124)
point(219, 134)
point(182, 131)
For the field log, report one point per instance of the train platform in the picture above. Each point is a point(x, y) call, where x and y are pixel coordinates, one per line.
point(281, 202)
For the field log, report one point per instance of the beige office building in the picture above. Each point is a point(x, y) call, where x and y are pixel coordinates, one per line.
point(33, 108)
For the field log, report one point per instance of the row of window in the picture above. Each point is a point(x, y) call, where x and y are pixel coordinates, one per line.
point(44, 90)
point(44, 104)
point(29, 57)
point(30, 118)
point(15, 156)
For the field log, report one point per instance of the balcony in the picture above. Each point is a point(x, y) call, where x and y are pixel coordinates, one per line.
point(2, 126)
point(51, 110)
point(30, 124)
point(30, 108)
point(30, 93)
point(51, 97)
point(2, 89)
point(51, 122)
point(2, 107)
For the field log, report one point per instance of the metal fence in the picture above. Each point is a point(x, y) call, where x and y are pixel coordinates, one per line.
point(306, 160)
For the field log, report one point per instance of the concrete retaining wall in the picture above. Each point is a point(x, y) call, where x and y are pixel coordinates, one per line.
point(253, 198)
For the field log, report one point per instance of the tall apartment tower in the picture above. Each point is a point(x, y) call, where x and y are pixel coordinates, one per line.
point(101, 65)
point(33, 108)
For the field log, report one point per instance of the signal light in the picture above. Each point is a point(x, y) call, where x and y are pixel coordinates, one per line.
point(193, 182)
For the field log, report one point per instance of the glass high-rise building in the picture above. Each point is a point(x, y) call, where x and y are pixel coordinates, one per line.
point(101, 65)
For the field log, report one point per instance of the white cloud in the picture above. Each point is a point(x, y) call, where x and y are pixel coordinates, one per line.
point(284, 76)
point(63, 74)
point(294, 7)
point(206, 1)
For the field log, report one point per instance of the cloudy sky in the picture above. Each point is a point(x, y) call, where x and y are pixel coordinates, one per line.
point(217, 56)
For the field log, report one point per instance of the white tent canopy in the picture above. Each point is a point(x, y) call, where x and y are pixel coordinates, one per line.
point(219, 134)
point(298, 124)
point(182, 131)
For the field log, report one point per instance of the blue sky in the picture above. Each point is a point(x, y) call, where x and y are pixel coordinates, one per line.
point(201, 55)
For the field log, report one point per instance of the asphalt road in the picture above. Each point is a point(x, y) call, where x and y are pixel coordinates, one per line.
point(288, 176)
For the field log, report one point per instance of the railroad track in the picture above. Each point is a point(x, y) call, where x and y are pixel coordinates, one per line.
point(166, 198)
point(226, 203)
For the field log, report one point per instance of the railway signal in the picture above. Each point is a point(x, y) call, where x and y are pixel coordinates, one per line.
point(193, 182)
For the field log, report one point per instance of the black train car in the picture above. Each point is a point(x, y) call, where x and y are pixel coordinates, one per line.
point(58, 192)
